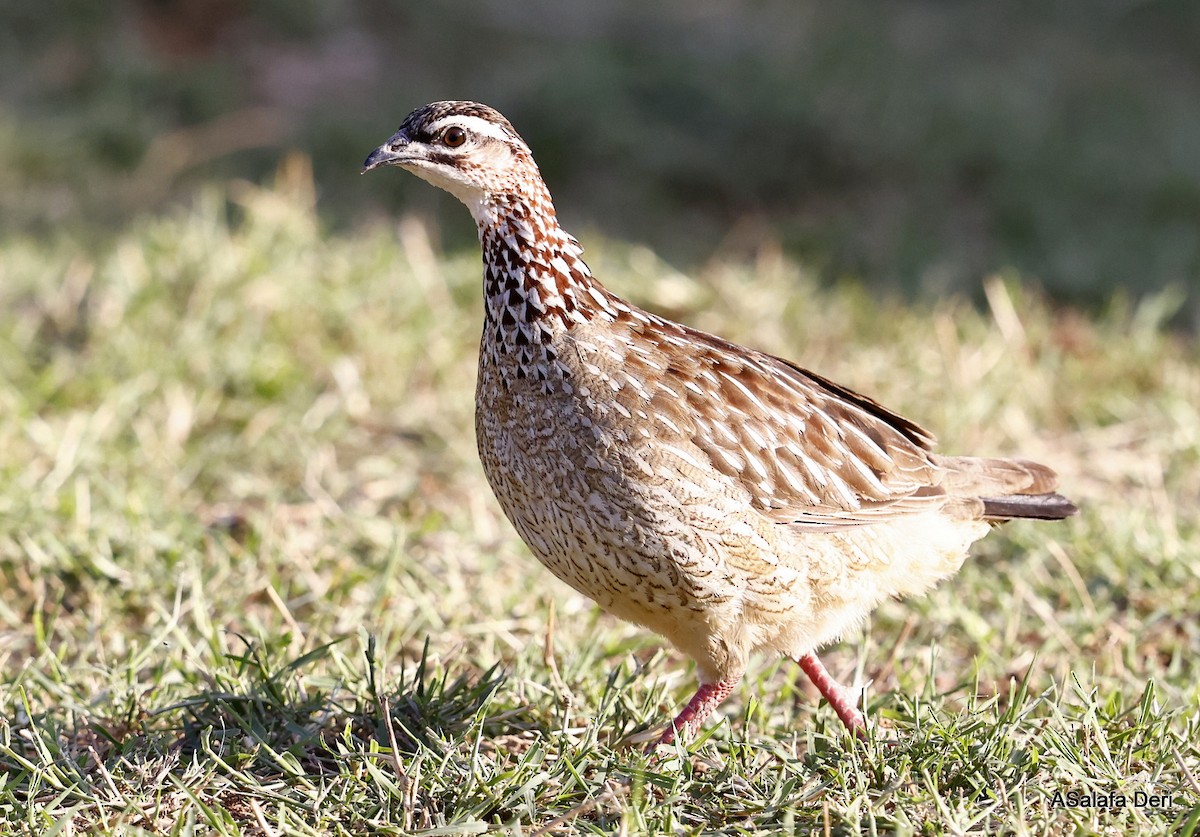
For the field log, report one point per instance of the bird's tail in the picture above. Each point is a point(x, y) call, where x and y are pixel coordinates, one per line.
point(1048, 506)
point(1006, 488)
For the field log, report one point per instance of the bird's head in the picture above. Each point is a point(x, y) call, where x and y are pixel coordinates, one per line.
point(466, 148)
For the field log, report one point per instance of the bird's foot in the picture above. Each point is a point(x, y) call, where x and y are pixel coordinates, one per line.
point(707, 698)
point(844, 701)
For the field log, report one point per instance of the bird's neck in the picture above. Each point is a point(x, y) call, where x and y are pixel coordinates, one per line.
point(535, 281)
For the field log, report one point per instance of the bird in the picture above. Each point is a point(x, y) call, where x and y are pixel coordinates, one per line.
point(726, 499)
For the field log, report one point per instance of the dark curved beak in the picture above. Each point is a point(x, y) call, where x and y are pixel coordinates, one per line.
point(392, 152)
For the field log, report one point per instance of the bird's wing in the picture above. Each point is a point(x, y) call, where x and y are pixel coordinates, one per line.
point(809, 453)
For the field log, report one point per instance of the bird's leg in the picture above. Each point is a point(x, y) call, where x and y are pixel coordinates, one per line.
point(706, 699)
point(843, 700)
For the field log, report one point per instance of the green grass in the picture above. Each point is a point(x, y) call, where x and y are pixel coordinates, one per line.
point(252, 580)
point(916, 145)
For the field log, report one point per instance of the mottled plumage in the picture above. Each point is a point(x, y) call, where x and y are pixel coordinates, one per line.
point(724, 498)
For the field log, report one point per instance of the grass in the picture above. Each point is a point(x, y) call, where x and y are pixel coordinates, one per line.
point(915, 144)
point(252, 580)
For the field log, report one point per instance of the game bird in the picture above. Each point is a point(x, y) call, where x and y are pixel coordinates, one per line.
point(726, 499)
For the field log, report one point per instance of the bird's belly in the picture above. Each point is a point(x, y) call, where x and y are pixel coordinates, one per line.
point(571, 491)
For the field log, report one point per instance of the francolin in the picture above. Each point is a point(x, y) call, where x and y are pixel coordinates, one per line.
point(724, 498)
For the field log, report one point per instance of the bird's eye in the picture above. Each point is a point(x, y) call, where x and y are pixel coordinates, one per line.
point(454, 137)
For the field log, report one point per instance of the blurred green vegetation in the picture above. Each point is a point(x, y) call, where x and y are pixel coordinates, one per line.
point(920, 145)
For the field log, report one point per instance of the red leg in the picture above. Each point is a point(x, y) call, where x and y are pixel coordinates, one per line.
point(706, 699)
point(843, 700)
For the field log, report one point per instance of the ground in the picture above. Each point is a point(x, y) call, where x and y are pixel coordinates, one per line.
point(252, 580)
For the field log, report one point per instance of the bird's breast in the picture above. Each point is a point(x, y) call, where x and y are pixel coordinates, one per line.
point(580, 486)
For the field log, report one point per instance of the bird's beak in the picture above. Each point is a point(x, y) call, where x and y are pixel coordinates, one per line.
point(391, 153)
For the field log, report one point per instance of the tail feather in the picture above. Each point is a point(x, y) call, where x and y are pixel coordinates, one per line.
point(1048, 506)
point(978, 476)
point(1005, 488)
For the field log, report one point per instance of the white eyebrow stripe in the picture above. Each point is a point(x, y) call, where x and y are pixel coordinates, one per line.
point(472, 124)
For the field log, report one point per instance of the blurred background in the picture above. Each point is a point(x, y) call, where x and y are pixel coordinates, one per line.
point(918, 146)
